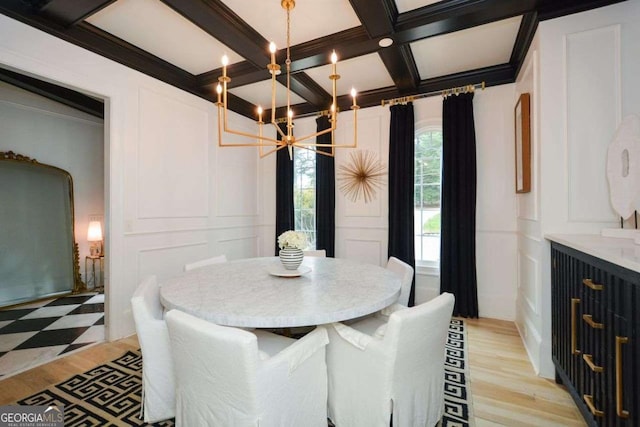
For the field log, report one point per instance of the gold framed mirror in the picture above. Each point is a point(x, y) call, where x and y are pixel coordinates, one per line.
point(37, 239)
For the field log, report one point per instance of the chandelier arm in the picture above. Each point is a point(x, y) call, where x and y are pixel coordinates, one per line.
point(273, 150)
point(282, 134)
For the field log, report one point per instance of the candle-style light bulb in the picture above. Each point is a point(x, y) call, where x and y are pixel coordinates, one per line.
point(272, 49)
point(260, 113)
point(353, 95)
point(334, 57)
point(290, 114)
point(225, 62)
point(219, 91)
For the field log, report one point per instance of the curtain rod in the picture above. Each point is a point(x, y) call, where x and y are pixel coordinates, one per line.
point(403, 99)
point(445, 93)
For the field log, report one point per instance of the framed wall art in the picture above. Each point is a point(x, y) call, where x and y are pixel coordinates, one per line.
point(522, 119)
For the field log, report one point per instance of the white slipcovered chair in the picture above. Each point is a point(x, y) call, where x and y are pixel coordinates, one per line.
point(205, 262)
point(158, 389)
point(379, 369)
point(320, 253)
point(231, 377)
point(405, 272)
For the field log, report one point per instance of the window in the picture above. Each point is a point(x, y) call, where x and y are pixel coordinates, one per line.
point(428, 168)
point(304, 193)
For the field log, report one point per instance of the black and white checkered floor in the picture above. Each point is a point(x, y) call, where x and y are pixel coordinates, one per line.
point(35, 333)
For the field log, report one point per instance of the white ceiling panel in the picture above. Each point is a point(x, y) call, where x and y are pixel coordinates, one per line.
point(407, 5)
point(260, 94)
point(156, 28)
point(362, 73)
point(310, 19)
point(482, 46)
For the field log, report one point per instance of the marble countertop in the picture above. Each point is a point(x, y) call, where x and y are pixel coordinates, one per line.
point(620, 251)
point(243, 293)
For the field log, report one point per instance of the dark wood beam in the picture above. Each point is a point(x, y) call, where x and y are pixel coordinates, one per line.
point(378, 18)
point(524, 38)
point(242, 73)
point(438, 19)
point(218, 20)
point(67, 12)
point(549, 9)
point(68, 97)
point(307, 88)
point(401, 66)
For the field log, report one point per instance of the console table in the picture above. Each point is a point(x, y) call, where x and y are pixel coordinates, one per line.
point(595, 310)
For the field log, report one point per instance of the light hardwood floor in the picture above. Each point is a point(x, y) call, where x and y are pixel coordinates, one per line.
point(505, 389)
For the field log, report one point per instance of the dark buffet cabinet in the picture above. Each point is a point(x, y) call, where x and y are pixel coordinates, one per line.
point(596, 335)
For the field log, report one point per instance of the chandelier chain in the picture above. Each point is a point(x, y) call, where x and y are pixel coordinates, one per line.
point(288, 62)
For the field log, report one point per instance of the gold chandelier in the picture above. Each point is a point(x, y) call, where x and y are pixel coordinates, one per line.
point(288, 140)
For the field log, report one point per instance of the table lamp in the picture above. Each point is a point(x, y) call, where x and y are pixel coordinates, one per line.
point(94, 235)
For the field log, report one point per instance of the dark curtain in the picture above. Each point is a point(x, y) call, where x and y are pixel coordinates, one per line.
point(458, 224)
point(284, 191)
point(325, 192)
point(401, 171)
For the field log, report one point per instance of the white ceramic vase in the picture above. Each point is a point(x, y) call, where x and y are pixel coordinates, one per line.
point(291, 258)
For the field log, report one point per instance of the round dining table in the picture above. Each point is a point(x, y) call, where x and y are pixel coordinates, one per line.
point(259, 293)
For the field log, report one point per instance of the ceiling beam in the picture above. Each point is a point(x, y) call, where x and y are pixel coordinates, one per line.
point(549, 9)
point(524, 38)
point(308, 89)
point(429, 21)
point(67, 13)
point(378, 18)
point(68, 97)
point(219, 21)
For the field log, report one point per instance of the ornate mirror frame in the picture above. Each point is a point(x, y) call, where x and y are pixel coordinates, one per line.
point(42, 253)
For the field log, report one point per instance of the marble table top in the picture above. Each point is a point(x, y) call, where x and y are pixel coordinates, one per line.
point(243, 293)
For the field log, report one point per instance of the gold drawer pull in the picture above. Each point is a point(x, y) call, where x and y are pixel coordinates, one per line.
point(574, 338)
point(589, 284)
point(589, 319)
point(588, 399)
point(589, 360)
point(621, 412)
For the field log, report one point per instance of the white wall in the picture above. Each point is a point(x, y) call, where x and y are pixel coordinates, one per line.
point(581, 70)
point(171, 195)
point(55, 134)
point(362, 228)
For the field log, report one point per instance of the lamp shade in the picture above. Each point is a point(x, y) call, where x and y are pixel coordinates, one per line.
point(95, 231)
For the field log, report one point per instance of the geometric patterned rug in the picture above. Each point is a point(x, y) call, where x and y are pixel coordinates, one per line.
point(109, 394)
point(458, 410)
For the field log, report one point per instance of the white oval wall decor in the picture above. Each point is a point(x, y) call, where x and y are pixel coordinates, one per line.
point(623, 167)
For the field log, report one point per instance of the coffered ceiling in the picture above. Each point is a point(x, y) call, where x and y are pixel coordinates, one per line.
point(436, 44)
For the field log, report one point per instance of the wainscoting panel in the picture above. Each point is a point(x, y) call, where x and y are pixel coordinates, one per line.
point(173, 167)
point(528, 282)
point(169, 260)
point(369, 251)
point(236, 173)
point(239, 247)
point(593, 110)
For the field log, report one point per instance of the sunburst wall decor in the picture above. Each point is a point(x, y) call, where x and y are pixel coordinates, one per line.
point(361, 176)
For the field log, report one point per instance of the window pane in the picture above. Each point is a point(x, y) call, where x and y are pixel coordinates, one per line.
point(428, 167)
point(304, 193)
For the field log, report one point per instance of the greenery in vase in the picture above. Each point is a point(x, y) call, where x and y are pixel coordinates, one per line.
point(292, 239)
